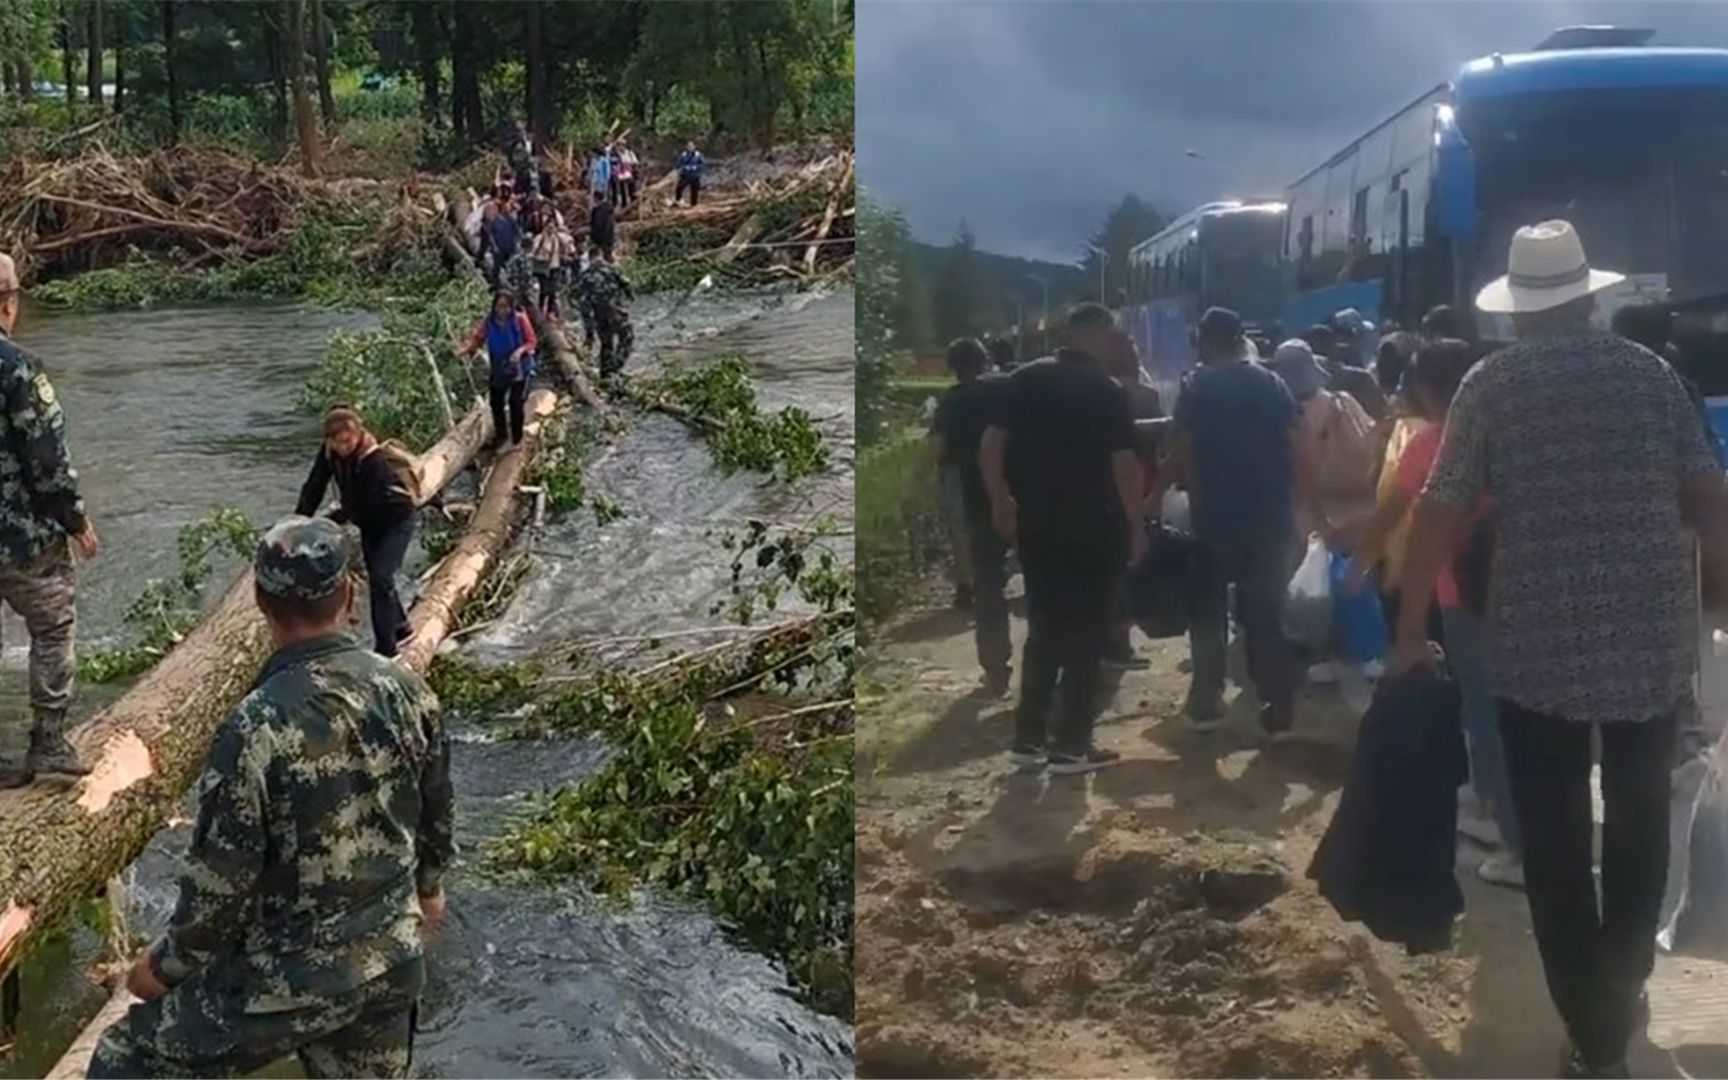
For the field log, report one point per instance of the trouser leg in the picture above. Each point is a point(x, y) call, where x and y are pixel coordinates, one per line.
point(954, 515)
point(496, 395)
point(989, 566)
point(1261, 586)
point(1207, 631)
point(384, 553)
point(1085, 629)
point(518, 406)
point(1039, 658)
point(44, 595)
point(379, 1041)
point(1637, 759)
point(1548, 763)
point(1466, 655)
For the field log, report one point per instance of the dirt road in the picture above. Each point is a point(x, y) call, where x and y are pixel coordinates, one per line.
point(1154, 919)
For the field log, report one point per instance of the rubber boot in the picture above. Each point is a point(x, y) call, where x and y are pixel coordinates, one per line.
point(52, 758)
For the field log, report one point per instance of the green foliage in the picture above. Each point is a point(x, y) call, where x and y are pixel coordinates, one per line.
point(762, 834)
point(384, 374)
point(885, 296)
point(1127, 224)
point(765, 567)
point(719, 401)
point(470, 689)
point(168, 608)
point(899, 526)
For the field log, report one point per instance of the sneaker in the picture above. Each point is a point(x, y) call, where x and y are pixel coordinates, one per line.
point(1502, 870)
point(1026, 755)
point(1481, 829)
point(1374, 670)
point(1323, 674)
point(1091, 760)
point(995, 683)
point(1126, 660)
point(15, 776)
point(1574, 1067)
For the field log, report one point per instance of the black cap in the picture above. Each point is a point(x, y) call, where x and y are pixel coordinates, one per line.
point(1220, 324)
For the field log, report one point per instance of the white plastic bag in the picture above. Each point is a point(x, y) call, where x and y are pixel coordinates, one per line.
point(1308, 607)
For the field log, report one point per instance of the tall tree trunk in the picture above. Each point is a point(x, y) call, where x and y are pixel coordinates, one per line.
point(768, 101)
point(273, 35)
point(119, 66)
point(305, 121)
point(469, 113)
point(93, 70)
point(426, 20)
point(168, 13)
point(321, 58)
point(534, 49)
point(66, 52)
point(26, 80)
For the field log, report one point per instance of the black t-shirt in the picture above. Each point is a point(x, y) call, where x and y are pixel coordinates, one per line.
point(961, 417)
point(1064, 422)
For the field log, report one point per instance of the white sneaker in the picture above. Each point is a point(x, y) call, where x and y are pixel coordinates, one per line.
point(1375, 670)
point(1502, 870)
point(1323, 674)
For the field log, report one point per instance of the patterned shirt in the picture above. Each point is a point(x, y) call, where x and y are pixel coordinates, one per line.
point(39, 502)
point(1583, 440)
point(323, 812)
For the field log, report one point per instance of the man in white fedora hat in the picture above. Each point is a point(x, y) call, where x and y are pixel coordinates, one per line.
point(1591, 451)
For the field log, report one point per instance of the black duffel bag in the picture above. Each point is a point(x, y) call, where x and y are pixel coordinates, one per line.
point(1161, 585)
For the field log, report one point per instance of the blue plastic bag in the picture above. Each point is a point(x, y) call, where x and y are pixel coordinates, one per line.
point(1358, 623)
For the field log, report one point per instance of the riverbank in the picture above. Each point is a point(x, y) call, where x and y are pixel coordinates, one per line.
point(1155, 919)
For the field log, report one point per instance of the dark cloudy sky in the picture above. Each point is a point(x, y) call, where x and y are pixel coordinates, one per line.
point(1030, 117)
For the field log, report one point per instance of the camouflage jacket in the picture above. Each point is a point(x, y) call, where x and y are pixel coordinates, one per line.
point(39, 500)
point(599, 287)
point(324, 812)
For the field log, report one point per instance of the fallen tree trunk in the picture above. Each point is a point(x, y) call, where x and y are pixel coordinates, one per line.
point(147, 748)
point(434, 613)
point(828, 217)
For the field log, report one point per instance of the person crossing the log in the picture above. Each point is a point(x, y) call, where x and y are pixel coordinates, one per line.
point(690, 166)
point(600, 295)
point(603, 227)
point(42, 526)
point(600, 173)
point(376, 483)
point(624, 176)
point(507, 334)
point(501, 248)
point(316, 865)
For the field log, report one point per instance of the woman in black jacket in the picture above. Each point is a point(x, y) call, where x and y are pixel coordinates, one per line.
point(375, 486)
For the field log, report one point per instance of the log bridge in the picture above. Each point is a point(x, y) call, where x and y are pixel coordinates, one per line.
point(147, 747)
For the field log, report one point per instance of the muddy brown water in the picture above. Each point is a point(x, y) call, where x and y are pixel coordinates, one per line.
point(173, 413)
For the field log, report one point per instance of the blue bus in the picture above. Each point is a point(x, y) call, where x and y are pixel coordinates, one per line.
point(1628, 142)
point(1222, 253)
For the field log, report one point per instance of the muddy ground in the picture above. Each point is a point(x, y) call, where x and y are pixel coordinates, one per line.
point(1155, 919)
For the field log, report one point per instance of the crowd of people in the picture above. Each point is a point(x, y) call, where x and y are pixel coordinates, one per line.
point(531, 257)
point(1526, 518)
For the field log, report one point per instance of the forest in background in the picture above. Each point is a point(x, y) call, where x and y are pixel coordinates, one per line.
point(421, 83)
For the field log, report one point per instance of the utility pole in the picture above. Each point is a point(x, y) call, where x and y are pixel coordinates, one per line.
point(1103, 264)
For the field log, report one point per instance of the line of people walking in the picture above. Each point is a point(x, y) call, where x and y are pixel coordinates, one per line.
point(1524, 517)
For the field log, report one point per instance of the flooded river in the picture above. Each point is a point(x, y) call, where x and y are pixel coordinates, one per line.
point(174, 413)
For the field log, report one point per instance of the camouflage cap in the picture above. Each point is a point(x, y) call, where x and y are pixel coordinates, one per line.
point(301, 557)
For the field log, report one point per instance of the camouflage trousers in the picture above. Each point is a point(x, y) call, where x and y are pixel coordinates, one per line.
point(517, 277)
point(617, 337)
point(206, 1027)
point(42, 594)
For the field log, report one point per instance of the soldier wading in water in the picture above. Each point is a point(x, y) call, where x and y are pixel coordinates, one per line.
point(323, 833)
point(42, 524)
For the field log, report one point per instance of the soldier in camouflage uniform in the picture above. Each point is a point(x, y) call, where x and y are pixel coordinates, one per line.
point(42, 523)
point(600, 294)
point(323, 833)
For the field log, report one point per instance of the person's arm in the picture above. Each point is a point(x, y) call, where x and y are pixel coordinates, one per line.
point(475, 340)
point(224, 860)
point(530, 344)
point(1304, 460)
point(317, 483)
point(1388, 512)
point(48, 475)
point(1456, 484)
point(435, 837)
point(1117, 430)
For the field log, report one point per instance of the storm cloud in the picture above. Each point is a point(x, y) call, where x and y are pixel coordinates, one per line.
point(1029, 119)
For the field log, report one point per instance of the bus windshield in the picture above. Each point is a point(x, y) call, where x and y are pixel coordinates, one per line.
point(1239, 262)
point(1642, 175)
